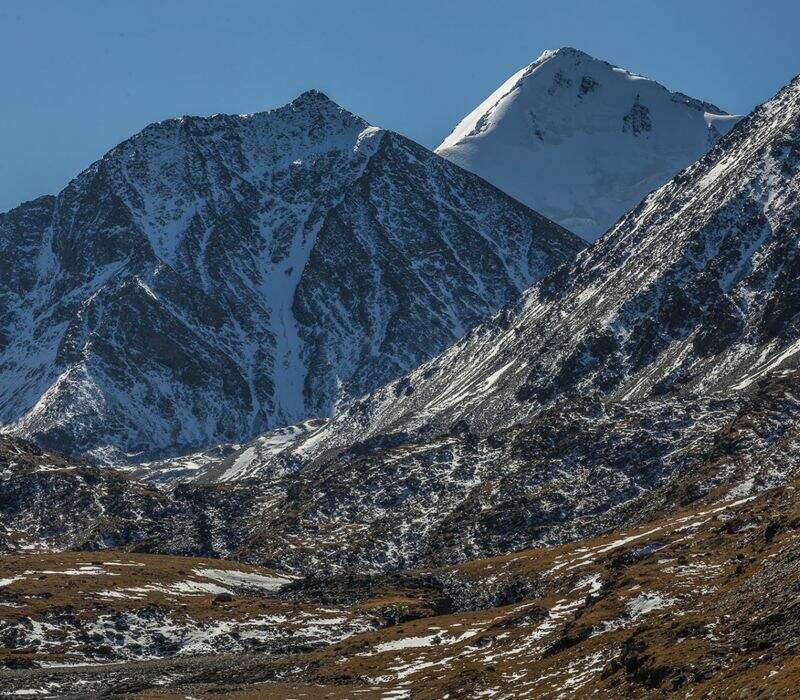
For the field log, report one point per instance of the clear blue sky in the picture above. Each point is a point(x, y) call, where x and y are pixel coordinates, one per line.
point(79, 76)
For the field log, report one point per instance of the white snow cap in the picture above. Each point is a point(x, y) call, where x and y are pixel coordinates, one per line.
point(581, 140)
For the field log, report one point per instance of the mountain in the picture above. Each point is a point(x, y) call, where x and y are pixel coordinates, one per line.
point(635, 417)
point(212, 278)
point(694, 291)
point(582, 141)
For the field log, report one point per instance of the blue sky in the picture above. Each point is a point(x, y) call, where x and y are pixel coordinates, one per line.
point(80, 76)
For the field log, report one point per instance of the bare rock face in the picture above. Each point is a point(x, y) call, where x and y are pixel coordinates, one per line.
point(212, 278)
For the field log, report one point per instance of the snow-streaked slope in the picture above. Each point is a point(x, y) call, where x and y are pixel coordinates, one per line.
point(694, 291)
point(582, 141)
point(212, 278)
point(231, 462)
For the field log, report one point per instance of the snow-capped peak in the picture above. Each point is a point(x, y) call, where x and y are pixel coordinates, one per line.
point(564, 51)
point(581, 140)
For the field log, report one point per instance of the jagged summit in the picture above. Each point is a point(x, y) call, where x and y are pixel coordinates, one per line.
point(314, 96)
point(582, 140)
point(312, 112)
point(316, 101)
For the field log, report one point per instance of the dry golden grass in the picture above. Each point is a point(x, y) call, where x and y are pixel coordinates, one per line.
point(696, 604)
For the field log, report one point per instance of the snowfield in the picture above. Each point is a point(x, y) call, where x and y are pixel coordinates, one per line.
point(582, 141)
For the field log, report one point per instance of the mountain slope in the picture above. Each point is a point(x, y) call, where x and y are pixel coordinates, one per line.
point(577, 469)
point(702, 602)
point(212, 278)
point(693, 291)
point(582, 141)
